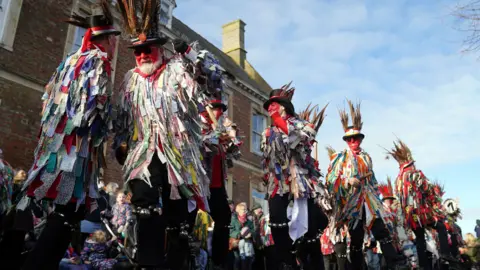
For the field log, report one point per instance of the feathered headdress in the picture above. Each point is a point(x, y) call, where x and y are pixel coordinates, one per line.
point(356, 127)
point(283, 96)
point(99, 23)
point(330, 151)
point(142, 21)
point(386, 189)
point(400, 152)
point(313, 115)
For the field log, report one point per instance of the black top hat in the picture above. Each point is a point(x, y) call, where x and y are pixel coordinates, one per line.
point(355, 130)
point(97, 24)
point(144, 28)
point(216, 103)
point(283, 96)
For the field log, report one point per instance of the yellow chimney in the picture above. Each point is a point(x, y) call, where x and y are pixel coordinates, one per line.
point(233, 41)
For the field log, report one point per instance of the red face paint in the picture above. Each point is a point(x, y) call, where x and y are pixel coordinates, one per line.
point(354, 143)
point(274, 107)
point(146, 55)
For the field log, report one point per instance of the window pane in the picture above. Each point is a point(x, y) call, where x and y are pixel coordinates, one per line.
point(225, 99)
point(256, 140)
point(262, 124)
point(258, 123)
point(77, 40)
point(254, 122)
point(3, 15)
point(164, 13)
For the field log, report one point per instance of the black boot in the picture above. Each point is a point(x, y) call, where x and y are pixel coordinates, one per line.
point(178, 253)
point(150, 240)
point(393, 258)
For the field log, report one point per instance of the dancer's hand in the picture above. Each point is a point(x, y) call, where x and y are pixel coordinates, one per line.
point(180, 46)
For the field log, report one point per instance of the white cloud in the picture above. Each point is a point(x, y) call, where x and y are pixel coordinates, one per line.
point(400, 59)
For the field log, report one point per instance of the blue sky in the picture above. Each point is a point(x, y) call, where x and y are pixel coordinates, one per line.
point(400, 58)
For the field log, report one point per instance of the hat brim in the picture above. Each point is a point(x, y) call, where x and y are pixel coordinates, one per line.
point(157, 41)
point(107, 33)
point(282, 101)
point(389, 198)
point(361, 135)
point(219, 105)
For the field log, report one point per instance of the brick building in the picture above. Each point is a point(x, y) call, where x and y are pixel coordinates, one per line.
point(33, 41)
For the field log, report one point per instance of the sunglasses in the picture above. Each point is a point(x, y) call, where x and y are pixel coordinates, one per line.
point(353, 138)
point(144, 50)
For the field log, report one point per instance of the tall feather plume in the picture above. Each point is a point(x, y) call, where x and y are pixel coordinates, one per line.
point(106, 11)
point(305, 114)
point(313, 115)
point(319, 117)
point(400, 152)
point(355, 115)
point(343, 118)
point(389, 185)
point(125, 9)
point(330, 150)
point(288, 91)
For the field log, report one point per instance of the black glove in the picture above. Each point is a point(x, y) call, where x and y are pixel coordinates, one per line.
point(180, 46)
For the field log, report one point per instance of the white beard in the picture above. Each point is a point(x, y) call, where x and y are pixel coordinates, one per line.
point(150, 68)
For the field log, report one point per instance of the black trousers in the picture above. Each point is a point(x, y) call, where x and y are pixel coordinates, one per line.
point(221, 215)
point(381, 234)
point(259, 262)
point(330, 262)
point(341, 255)
point(151, 231)
point(424, 260)
point(270, 258)
point(55, 237)
point(317, 221)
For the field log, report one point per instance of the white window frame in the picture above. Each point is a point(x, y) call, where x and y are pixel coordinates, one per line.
point(9, 16)
point(230, 186)
point(257, 195)
point(170, 4)
point(254, 132)
point(227, 97)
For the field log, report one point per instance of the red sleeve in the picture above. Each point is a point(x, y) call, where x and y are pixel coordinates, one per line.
point(279, 122)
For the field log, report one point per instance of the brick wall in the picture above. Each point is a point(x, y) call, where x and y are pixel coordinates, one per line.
point(20, 109)
point(241, 187)
point(242, 116)
point(39, 40)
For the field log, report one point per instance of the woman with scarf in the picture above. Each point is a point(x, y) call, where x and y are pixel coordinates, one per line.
point(241, 231)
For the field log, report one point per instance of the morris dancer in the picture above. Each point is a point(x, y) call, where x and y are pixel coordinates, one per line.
point(388, 198)
point(221, 146)
point(352, 182)
point(291, 174)
point(73, 137)
point(419, 201)
point(158, 137)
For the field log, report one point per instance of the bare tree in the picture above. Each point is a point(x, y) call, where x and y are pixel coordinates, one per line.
point(468, 17)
